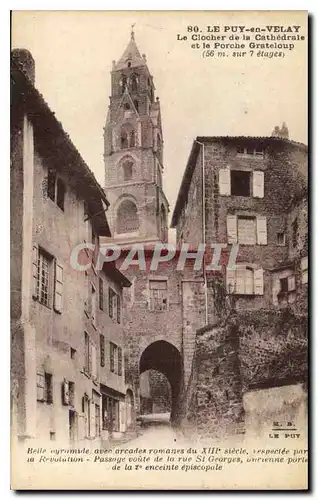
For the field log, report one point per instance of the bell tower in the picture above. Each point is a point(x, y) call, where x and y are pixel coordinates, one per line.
point(133, 153)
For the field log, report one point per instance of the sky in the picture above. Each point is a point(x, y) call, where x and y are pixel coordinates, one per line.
point(74, 50)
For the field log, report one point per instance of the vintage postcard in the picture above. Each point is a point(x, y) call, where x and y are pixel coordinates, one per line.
point(159, 250)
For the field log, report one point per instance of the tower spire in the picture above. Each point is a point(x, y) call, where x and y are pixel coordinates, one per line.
point(132, 33)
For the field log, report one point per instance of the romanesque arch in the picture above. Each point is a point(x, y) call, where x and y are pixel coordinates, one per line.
point(127, 219)
point(164, 357)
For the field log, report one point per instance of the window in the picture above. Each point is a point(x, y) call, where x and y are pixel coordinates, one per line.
point(134, 82)
point(295, 232)
point(281, 239)
point(158, 295)
point(128, 170)
point(97, 420)
point(240, 183)
point(102, 349)
point(52, 436)
point(101, 294)
point(93, 298)
point(56, 188)
point(87, 363)
point(73, 353)
point(86, 411)
point(113, 356)
point(247, 230)
point(120, 361)
point(304, 270)
point(71, 393)
point(123, 83)
point(127, 218)
point(114, 305)
point(245, 280)
point(44, 387)
point(127, 137)
point(136, 104)
point(283, 284)
point(250, 151)
point(42, 264)
point(127, 106)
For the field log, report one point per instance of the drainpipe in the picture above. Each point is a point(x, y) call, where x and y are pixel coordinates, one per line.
point(203, 231)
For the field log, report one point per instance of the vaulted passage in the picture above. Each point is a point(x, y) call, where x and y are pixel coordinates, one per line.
point(165, 358)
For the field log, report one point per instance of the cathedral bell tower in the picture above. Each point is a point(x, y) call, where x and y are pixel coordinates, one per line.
point(133, 154)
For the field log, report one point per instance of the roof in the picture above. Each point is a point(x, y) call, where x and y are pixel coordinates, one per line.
point(187, 176)
point(132, 55)
point(55, 145)
point(111, 270)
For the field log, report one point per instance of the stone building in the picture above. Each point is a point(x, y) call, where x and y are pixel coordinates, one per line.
point(241, 191)
point(250, 192)
point(67, 363)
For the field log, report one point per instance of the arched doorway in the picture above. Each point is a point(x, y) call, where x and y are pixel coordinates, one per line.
point(163, 357)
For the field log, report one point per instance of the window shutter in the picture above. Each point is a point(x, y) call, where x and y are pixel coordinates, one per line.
point(261, 224)
point(110, 302)
point(102, 349)
point(35, 271)
point(90, 345)
point(224, 181)
point(291, 283)
point(58, 288)
point(232, 229)
point(118, 309)
point(259, 281)
point(258, 184)
point(65, 393)
point(94, 361)
point(230, 281)
point(92, 419)
point(120, 361)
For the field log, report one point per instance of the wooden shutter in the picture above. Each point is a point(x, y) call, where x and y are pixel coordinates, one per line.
point(259, 281)
point(110, 303)
point(92, 428)
point(258, 184)
point(230, 281)
point(225, 181)
point(102, 349)
point(232, 228)
point(112, 357)
point(261, 229)
point(90, 356)
point(101, 294)
point(120, 361)
point(94, 361)
point(291, 283)
point(35, 271)
point(65, 393)
point(118, 309)
point(58, 287)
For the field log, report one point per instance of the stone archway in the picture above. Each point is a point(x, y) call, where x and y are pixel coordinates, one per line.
point(165, 358)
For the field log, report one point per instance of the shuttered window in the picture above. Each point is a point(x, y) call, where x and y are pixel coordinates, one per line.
point(158, 295)
point(101, 294)
point(245, 281)
point(246, 230)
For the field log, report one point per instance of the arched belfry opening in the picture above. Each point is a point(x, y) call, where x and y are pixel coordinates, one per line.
point(163, 357)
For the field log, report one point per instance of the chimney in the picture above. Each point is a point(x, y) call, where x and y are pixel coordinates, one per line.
point(281, 132)
point(24, 60)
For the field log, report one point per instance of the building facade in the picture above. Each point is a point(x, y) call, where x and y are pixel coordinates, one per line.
point(67, 345)
point(243, 191)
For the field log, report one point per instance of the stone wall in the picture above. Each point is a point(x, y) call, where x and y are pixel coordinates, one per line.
point(249, 351)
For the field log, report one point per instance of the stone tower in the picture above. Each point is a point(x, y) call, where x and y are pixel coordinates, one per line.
point(133, 153)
